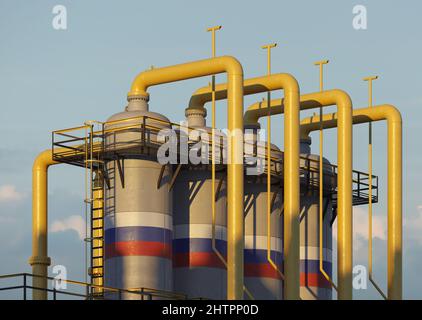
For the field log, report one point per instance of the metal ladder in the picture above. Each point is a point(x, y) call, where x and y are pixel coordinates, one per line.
point(97, 234)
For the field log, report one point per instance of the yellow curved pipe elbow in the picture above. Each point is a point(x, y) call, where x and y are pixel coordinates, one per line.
point(40, 260)
point(291, 163)
point(345, 221)
point(394, 123)
point(183, 71)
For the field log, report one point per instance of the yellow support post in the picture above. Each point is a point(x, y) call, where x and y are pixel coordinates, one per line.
point(370, 249)
point(321, 64)
point(213, 209)
point(344, 139)
point(291, 163)
point(235, 238)
point(213, 30)
point(394, 155)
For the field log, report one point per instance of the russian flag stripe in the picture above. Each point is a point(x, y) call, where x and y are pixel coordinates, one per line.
point(138, 233)
point(261, 270)
point(138, 248)
point(268, 271)
point(199, 230)
point(134, 219)
point(197, 259)
point(312, 266)
point(198, 245)
point(314, 280)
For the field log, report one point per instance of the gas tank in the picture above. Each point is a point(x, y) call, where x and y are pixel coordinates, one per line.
point(198, 270)
point(138, 209)
point(262, 279)
point(313, 284)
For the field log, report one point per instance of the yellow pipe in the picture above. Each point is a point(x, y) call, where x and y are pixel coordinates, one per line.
point(291, 163)
point(269, 259)
point(40, 260)
point(345, 226)
point(213, 30)
point(235, 238)
point(268, 158)
point(213, 206)
point(394, 122)
point(370, 250)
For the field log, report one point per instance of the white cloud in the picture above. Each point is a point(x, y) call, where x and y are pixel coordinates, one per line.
point(360, 231)
point(8, 193)
point(361, 223)
point(73, 223)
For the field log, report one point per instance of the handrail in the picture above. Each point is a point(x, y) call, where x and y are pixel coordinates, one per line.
point(137, 291)
point(98, 147)
point(136, 126)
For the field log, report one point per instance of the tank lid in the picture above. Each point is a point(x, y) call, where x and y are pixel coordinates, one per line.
point(137, 103)
point(305, 145)
point(196, 117)
point(250, 126)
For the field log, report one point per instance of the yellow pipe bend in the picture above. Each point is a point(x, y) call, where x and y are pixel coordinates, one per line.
point(40, 260)
point(146, 79)
point(345, 223)
point(234, 70)
point(394, 122)
point(291, 163)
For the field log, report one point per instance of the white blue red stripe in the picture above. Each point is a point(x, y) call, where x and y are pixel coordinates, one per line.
point(138, 234)
point(133, 219)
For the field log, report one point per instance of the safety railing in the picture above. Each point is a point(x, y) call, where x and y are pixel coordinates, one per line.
point(19, 286)
point(360, 191)
point(69, 146)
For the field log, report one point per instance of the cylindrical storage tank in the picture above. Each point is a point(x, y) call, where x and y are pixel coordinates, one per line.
point(138, 208)
point(262, 279)
point(197, 269)
point(313, 284)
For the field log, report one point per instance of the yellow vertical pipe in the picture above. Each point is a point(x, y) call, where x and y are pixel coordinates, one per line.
point(370, 247)
point(268, 48)
point(291, 195)
point(213, 125)
point(369, 79)
point(291, 163)
point(39, 259)
point(345, 218)
point(394, 163)
point(213, 30)
point(268, 155)
point(235, 195)
point(321, 179)
point(235, 223)
point(370, 184)
point(395, 207)
point(321, 171)
point(344, 178)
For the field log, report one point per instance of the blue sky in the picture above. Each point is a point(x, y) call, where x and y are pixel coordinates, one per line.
point(53, 79)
